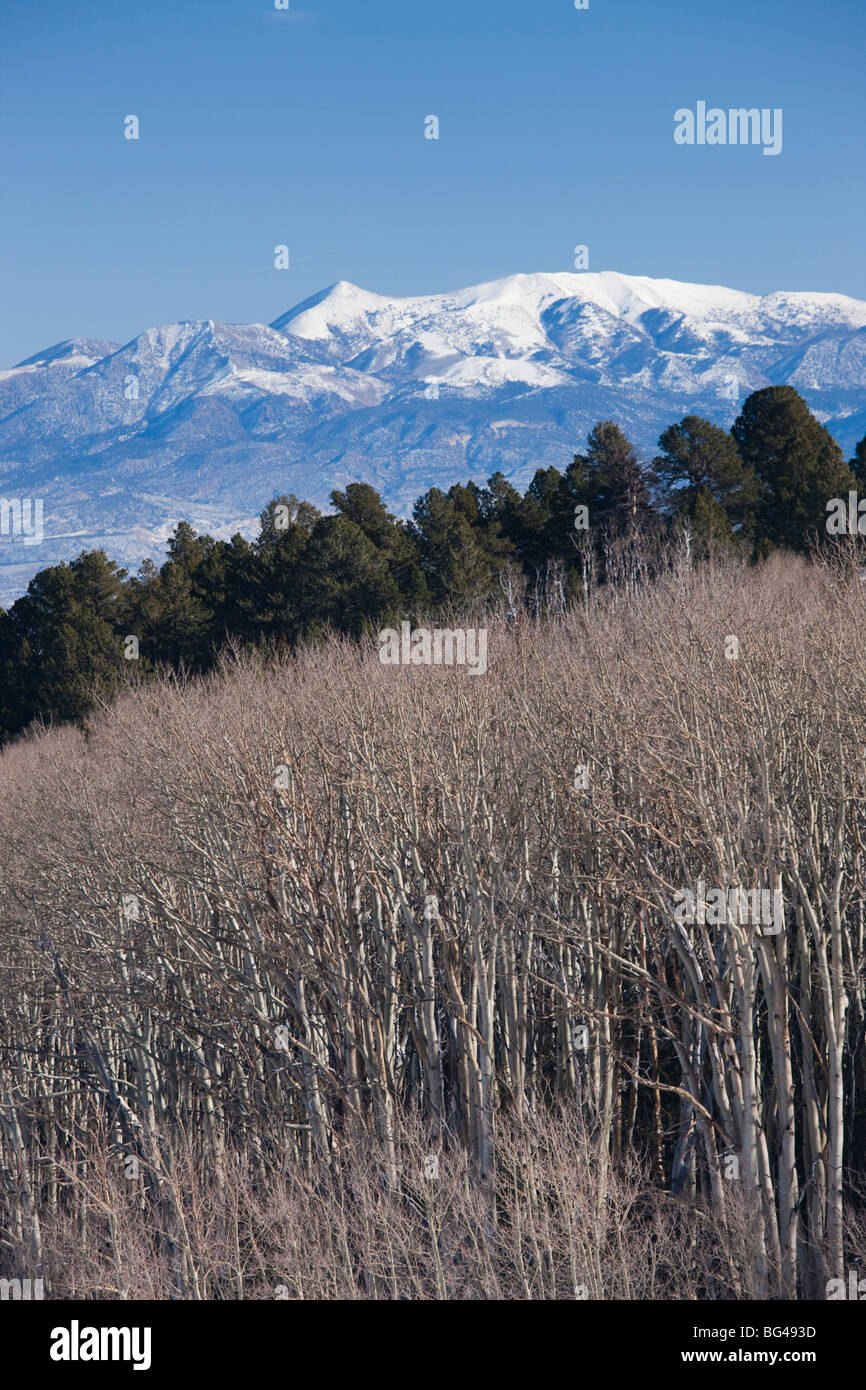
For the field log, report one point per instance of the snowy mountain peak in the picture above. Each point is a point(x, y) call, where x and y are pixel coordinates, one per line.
point(206, 420)
point(526, 314)
point(331, 310)
point(75, 351)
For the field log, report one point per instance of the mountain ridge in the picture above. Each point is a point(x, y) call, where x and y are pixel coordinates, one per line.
point(205, 421)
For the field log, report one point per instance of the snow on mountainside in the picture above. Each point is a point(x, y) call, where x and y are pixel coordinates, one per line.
point(206, 421)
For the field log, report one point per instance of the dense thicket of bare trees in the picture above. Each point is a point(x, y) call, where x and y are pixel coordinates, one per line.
point(368, 980)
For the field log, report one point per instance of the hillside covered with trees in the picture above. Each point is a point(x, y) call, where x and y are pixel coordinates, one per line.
point(765, 485)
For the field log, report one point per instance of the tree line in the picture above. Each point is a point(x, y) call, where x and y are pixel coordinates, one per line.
point(763, 485)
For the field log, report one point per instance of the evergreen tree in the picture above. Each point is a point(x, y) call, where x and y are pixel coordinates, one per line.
point(614, 483)
point(574, 509)
point(480, 507)
point(183, 633)
point(143, 611)
point(283, 516)
point(345, 583)
point(708, 522)
point(796, 460)
point(222, 582)
point(539, 518)
point(453, 560)
point(702, 479)
point(268, 594)
point(499, 506)
point(62, 642)
point(362, 505)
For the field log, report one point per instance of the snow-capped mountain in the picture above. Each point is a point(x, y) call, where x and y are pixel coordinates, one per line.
point(207, 421)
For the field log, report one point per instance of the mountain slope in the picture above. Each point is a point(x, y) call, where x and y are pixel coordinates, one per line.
point(206, 421)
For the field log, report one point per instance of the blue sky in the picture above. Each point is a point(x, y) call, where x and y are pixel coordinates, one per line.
point(307, 128)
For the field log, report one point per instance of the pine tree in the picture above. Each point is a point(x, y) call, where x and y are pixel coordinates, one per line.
point(345, 583)
point(184, 633)
point(268, 597)
point(615, 484)
point(702, 480)
point(539, 519)
point(362, 505)
point(499, 506)
point(62, 641)
point(797, 462)
point(453, 560)
point(283, 516)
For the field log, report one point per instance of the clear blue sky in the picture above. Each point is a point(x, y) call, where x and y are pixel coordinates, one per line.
point(307, 128)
